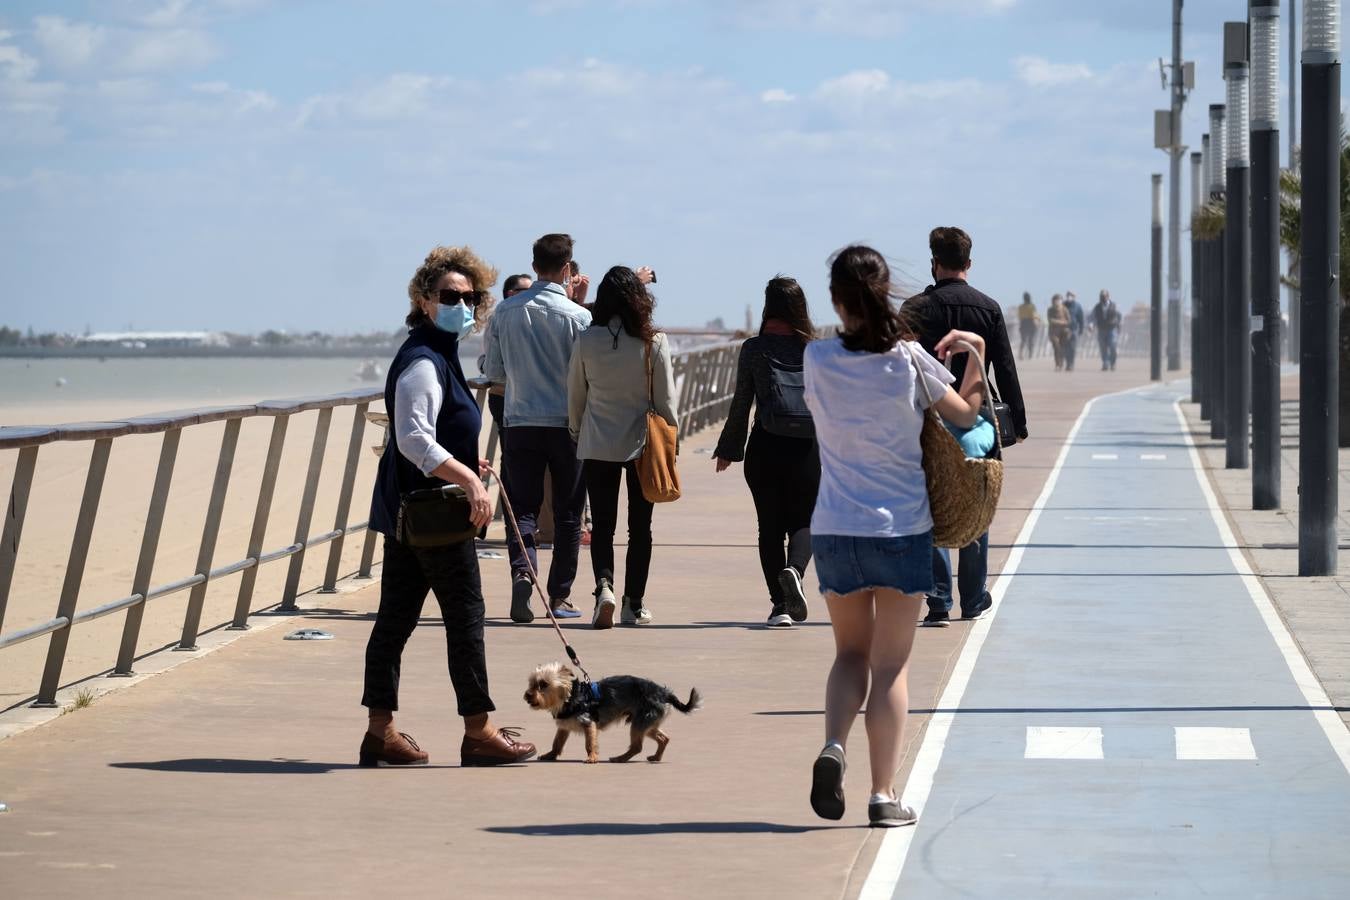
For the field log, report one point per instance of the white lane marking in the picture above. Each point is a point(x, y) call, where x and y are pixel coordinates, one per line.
point(1153, 456)
point(1313, 692)
point(1107, 456)
point(1215, 743)
point(890, 858)
point(1063, 743)
point(1125, 518)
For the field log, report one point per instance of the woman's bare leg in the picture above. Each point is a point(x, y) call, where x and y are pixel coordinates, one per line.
point(851, 619)
point(896, 616)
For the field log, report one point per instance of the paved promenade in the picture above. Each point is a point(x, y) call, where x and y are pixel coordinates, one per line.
point(234, 775)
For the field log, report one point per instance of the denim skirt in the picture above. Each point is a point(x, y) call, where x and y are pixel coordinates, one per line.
point(845, 564)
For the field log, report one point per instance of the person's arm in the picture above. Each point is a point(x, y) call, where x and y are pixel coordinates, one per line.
point(731, 445)
point(418, 396)
point(494, 367)
point(1000, 358)
point(577, 390)
point(663, 382)
point(950, 404)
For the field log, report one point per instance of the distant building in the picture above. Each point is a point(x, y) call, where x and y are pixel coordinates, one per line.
point(141, 340)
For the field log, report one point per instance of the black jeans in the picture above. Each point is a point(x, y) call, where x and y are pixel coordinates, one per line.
point(602, 483)
point(783, 474)
point(451, 573)
point(533, 452)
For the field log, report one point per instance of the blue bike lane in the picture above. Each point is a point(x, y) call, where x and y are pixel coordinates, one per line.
point(1133, 720)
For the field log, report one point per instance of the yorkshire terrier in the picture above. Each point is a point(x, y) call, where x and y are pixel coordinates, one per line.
point(589, 707)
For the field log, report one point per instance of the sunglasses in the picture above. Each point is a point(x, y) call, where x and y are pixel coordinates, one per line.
point(468, 298)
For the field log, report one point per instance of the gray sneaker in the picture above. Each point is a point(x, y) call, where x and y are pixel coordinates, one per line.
point(634, 613)
point(827, 783)
point(603, 617)
point(889, 814)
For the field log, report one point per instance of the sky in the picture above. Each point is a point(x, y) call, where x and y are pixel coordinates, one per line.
point(252, 164)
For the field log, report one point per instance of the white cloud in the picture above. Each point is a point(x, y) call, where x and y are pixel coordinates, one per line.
point(401, 96)
point(29, 109)
point(1039, 72)
point(149, 51)
point(862, 18)
point(241, 101)
point(777, 95)
point(69, 44)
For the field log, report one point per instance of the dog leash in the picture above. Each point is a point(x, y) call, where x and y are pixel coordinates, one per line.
point(534, 576)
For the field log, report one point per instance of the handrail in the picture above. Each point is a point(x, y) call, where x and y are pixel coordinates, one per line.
point(705, 380)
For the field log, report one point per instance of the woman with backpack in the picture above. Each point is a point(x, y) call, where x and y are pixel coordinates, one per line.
point(782, 464)
point(620, 368)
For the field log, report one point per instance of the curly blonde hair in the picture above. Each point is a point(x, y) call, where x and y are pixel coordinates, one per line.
point(452, 259)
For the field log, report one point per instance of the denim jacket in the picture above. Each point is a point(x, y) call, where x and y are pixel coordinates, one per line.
point(529, 346)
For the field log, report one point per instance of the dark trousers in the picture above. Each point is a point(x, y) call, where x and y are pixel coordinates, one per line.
point(1070, 350)
point(783, 474)
point(602, 483)
point(1106, 340)
point(972, 571)
point(451, 573)
point(1028, 341)
point(534, 452)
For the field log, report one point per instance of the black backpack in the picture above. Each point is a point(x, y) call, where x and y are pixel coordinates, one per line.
point(785, 411)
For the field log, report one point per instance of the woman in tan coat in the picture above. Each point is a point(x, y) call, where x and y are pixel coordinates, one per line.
point(1057, 316)
point(607, 394)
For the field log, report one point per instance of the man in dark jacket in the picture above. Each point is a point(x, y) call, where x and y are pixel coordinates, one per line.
point(950, 302)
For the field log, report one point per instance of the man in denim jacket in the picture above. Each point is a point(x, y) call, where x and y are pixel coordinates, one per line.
point(529, 346)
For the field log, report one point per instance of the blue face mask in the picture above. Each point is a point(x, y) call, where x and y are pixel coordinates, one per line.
point(457, 319)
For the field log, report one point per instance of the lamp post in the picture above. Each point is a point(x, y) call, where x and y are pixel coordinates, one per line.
point(1155, 307)
point(1237, 249)
point(1294, 304)
point(1319, 267)
point(1206, 244)
point(1265, 238)
point(1215, 301)
point(1197, 309)
point(1175, 153)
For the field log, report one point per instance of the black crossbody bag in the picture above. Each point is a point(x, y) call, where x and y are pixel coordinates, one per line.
point(434, 517)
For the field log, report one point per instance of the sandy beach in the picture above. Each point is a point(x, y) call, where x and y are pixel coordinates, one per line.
point(54, 503)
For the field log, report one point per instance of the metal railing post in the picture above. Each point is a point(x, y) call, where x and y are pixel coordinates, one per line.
point(261, 513)
point(367, 554)
point(306, 509)
point(207, 551)
point(145, 563)
point(345, 499)
point(14, 516)
point(70, 588)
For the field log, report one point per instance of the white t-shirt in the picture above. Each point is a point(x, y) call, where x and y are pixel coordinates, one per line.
point(868, 412)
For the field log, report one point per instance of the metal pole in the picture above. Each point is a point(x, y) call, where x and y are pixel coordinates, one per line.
point(1218, 351)
point(70, 588)
point(1155, 309)
point(1175, 154)
point(1319, 386)
point(1237, 258)
point(1295, 307)
point(306, 509)
point(1197, 352)
point(345, 498)
point(215, 507)
point(1265, 273)
point(145, 563)
point(14, 516)
point(1206, 327)
point(261, 513)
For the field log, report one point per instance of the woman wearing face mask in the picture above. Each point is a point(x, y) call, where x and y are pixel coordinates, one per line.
point(435, 422)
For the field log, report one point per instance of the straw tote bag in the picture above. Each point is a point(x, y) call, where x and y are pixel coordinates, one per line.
point(656, 464)
point(962, 492)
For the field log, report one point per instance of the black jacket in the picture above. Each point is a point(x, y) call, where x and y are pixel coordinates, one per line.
point(951, 303)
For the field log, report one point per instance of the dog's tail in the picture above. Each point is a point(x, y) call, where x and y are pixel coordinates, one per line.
point(695, 701)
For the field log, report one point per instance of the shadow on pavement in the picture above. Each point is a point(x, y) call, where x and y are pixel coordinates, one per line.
point(631, 829)
point(246, 766)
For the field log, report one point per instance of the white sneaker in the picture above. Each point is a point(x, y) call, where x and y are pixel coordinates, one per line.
point(778, 618)
point(603, 617)
point(630, 616)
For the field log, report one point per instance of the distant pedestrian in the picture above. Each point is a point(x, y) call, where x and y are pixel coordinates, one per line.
point(872, 530)
point(1075, 329)
point(1058, 320)
point(952, 303)
point(435, 424)
point(1028, 324)
point(529, 347)
point(513, 285)
point(607, 414)
point(782, 461)
point(1106, 320)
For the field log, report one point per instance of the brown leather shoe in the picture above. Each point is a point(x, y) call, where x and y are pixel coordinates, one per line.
point(499, 750)
point(402, 751)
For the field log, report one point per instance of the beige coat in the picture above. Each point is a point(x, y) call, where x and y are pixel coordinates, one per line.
point(607, 392)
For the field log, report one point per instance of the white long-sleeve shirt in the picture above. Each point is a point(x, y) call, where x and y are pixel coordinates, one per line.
point(417, 403)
